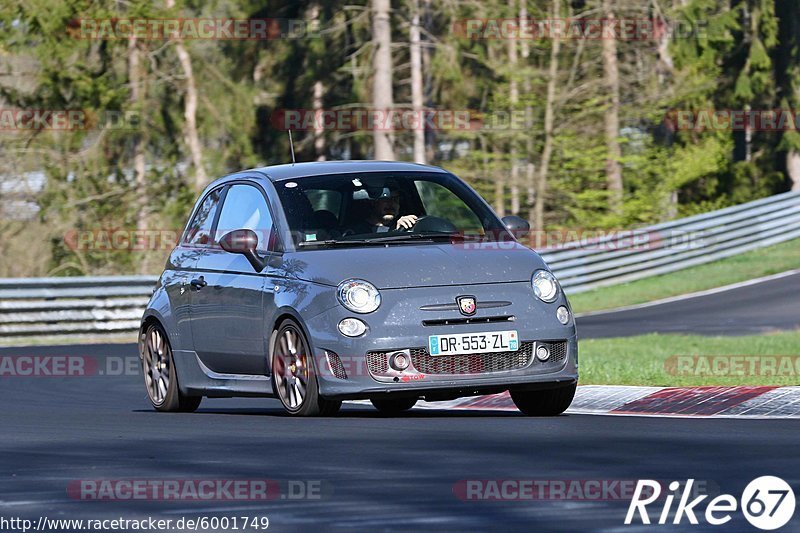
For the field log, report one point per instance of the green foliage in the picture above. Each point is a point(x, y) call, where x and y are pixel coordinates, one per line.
point(739, 54)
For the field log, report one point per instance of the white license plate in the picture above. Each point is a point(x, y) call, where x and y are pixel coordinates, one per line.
point(466, 343)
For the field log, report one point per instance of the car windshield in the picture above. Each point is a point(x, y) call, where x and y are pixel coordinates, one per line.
point(362, 209)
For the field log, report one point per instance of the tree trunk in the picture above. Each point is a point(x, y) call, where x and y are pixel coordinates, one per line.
point(318, 92)
point(549, 112)
point(530, 169)
point(611, 74)
point(191, 136)
point(382, 99)
point(787, 74)
point(319, 130)
point(135, 79)
point(513, 98)
point(427, 75)
point(499, 183)
point(793, 168)
point(417, 102)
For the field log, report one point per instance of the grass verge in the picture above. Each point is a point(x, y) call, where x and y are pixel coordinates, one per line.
point(755, 264)
point(686, 360)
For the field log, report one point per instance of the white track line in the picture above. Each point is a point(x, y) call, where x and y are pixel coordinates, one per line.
point(779, 403)
point(698, 294)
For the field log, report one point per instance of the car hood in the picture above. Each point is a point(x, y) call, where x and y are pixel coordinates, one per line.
point(403, 266)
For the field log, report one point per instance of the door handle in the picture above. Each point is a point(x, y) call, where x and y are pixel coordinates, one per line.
point(198, 283)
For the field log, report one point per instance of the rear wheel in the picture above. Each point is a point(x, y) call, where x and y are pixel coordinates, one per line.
point(160, 375)
point(548, 402)
point(394, 406)
point(293, 375)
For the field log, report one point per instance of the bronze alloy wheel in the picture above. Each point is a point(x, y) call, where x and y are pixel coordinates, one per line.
point(293, 375)
point(160, 376)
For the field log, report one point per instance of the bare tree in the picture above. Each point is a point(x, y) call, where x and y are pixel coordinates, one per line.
point(793, 168)
point(499, 183)
point(530, 169)
point(614, 153)
point(137, 95)
point(416, 83)
point(319, 130)
point(549, 114)
point(317, 97)
point(191, 137)
point(382, 99)
point(513, 97)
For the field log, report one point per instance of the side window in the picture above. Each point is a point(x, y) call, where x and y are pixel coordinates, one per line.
point(440, 201)
point(246, 208)
point(199, 231)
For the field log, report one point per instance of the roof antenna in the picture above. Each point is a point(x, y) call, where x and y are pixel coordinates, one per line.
point(291, 146)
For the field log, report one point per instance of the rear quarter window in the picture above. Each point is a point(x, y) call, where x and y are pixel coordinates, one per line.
point(198, 233)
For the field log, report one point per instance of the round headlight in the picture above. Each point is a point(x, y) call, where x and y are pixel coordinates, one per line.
point(545, 286)
point(359, 296)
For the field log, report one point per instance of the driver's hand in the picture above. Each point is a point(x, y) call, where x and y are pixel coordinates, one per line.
point(406, 222)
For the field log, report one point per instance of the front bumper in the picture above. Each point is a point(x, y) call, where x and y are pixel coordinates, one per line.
point(345, 372)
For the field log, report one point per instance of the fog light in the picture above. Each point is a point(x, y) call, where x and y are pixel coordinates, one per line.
point(542, 353)
point(399, 361)
point(352, 327)
point(562, 313)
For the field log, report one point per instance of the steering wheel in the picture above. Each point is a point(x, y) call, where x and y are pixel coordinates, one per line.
point(414, 227)
point(434, 224)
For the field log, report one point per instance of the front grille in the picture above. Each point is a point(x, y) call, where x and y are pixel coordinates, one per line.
point(558, 351)
point(336, 366)
point(424, 363)
point(377, 362)
point(482, 363)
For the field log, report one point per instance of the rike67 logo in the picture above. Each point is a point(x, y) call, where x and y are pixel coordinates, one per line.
point(767, 503)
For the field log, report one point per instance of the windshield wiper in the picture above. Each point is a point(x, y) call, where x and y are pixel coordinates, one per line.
point(409, 237)
point(413, 237)
point(329, 242)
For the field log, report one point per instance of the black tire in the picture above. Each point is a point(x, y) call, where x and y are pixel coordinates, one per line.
point(160, 373)
point(294, 379)
point(394, 406)
point(548, 402)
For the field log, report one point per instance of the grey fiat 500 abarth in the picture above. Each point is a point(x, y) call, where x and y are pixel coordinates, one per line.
point(321, 282)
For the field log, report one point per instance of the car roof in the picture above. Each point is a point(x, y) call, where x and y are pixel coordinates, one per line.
point(320, 168)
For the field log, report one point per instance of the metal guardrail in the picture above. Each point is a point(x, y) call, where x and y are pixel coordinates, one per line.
point(627, 256)
point(113, 305)
point(73, 306)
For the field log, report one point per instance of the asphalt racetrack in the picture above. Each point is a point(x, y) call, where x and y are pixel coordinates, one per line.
point(369, 473)
point(752, 309)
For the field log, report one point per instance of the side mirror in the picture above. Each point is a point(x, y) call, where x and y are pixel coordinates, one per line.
point(515, 223)
point(518, 227)
point(244, 242)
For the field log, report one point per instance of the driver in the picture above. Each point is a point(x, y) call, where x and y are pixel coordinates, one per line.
point(384, 213)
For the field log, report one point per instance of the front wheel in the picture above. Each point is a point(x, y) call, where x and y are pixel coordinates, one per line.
point(160, 375)
point(293, 376)
point(548, 402)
